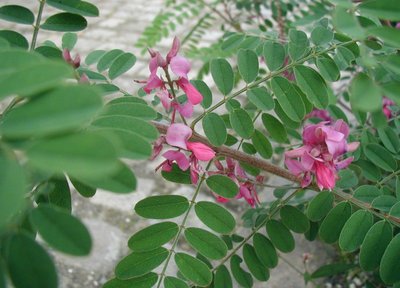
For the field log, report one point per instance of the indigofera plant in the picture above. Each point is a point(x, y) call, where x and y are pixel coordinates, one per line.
point(307, 95)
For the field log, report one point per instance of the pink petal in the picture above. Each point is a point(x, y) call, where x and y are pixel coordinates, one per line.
point(296, 153)
point(326, 177)
point(153, 83)
point(201, 151)
point(191, 92)
point(307, 161)
point(344, 163)
point(353, 146)
point(165, 99)
point(306, 180)
point(221, 199)
point(186, 110)
point(341, 127)
point(174, 49)
point(180, 66)
point(336, 148)
point(398, 25)
point(178, 157)
point(178, 134)
point(67, 55)
point(294, 166)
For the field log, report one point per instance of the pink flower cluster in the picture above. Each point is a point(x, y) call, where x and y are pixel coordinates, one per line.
point(322, 154)
point(180, 67)
point(178, 135)
point(247, 189)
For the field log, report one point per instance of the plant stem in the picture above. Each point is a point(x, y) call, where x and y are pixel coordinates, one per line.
point(37, 24)
point(387, 178)
point(266, 78)
point(273, 212)
point(182, 226)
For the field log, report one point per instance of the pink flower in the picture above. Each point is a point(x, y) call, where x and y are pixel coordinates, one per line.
point(385, 107)
point(76, 62)
point(321, 154)
point(398, 25)
point(178, 135)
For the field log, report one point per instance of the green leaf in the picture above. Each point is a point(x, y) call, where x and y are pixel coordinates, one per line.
point(261, 98)
point(206, 243)
point(80, 155)
point(265, 250)
point(384, 203)
point(130, 124)
point(242, 277)
point(65, 22)
point(347, 179)
point(107, 59)
point(262, 144)
point(242, 123)
point(288, 98)
point(36, 78)
point(222, 185)
point(75, 6)
point(69, 40)
point(390, 139)
point(61, 230)
point(331, 270)
point(383, 9)
point(26, 257)
point(56, 192)
point(215, 217)
point(344, 57)
point(364, 94)
point(367, 193)
point(136, 110)
point(232, 42)
point(127, 99)
point(121, 64)
point(94, 56)
point(15, 39)
point(59, 110)
point(274, 55)
point(320, 206)
point(321, 35)
point(222, 278)
point(193, 269)
point(395, 210)
point(347, 23)
point(390, 265)
point(172, 282)
point(313, 85)
point(355, 229)
point(84, 190)
point(257, 269)
point(17, 14)
point(248, 65)
point(328, 69)
point(380, 157)
point(145, 281)
point(222, 74)
point(12, 187)
point(49, 52)
point(122, 180)
point(204, 90)
point(332, 225)
point(140, 263)
point(153, 236)
point(389, 35)
point(215, 129)
point(298, 44)
point(162, 207)
point(280, 236)
point(177, 175)
point(275, 128)
point(374, 245)
point(294, 219)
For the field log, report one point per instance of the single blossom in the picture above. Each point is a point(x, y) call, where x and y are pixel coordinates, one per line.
point(178, 135)
point(76, 62)
point(322, 154)
point(247, 188)
point(387, 103)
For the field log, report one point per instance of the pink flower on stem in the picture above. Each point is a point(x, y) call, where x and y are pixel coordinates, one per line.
point(180, 67)
point(322, 153)
point(247, 188)
point(76, 62)
point(178, 135)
